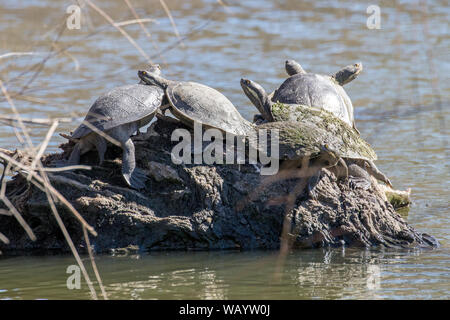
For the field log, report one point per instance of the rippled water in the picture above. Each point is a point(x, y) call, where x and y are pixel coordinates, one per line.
point(401, 107)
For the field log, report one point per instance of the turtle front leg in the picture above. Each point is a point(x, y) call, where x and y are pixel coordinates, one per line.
point(372, 169)
point(74, 157)
point(340, 169)
point(358, 177)
point(343, 172)
point(134, 177)
point(312, 183)
point(100, 145)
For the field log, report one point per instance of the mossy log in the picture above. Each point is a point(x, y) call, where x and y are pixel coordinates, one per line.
point(200, 207)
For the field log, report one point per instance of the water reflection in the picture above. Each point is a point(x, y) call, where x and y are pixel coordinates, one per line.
point(310, 274)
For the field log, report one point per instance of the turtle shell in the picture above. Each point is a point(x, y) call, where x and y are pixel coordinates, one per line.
point(318, 91)
point(121, 105)
point(313, 129)
point(193, 101)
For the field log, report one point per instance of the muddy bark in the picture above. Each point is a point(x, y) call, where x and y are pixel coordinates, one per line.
point(200, 207)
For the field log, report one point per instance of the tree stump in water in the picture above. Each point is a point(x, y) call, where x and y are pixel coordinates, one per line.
point(200, 207)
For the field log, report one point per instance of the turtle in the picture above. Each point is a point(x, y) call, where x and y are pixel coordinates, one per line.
point(194, 102)
point(317, 141)
point(118, 114)
point(316, 127)
point(319, 91)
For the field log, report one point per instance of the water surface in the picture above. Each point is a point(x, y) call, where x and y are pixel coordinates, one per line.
point(401, 108)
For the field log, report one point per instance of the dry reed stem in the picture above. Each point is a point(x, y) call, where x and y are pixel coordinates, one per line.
point(52, 189)
point(23, 97)
point(172, 22)
point(147, 33)
point(69, 55)
point(11, 207)
point(68, 238)
point(101, 133)
point(11, 120)
point(36, 173)
point(26, 168)
point(122, 31)
point(16, 113)
point(94, 265)
point(50, 193)
point(137, 20)
point(19, 54)
point(3, 238)
point(41, 65)
point(5, 212)
point(44, 145)
point(68, 168)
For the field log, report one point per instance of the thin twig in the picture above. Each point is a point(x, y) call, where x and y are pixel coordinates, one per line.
point(137, 20)
point(39, 121)
point(175, 30)
point(44, 145)
point(61, 225)
point(94, 265)
point(19, 54)
point(122, 31)
point(13, 209)
point(52, 189)
point(4, 238)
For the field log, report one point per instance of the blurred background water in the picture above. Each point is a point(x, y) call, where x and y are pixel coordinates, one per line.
point(401, 104)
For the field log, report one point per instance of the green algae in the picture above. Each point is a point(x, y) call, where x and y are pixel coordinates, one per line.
point(307, 129)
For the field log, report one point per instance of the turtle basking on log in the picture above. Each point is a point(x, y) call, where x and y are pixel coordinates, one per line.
point(118, 114)
point(317, 91)
point(315, 127)
point(194, 102)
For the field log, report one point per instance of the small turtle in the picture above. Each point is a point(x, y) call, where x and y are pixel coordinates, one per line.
point(118, 114)
point(303, 129)
point(194, 102)
point(318, 91)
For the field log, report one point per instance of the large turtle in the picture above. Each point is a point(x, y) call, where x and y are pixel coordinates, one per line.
point(319, 142)
point(316, 127)
point(318, 91)
point(194, 102)
point(118, 114)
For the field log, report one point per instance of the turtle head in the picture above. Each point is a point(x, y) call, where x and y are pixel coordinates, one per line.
point(153, 79)
point(348, 73)
point(258, 97)
point(293, 67)
point(329, 156)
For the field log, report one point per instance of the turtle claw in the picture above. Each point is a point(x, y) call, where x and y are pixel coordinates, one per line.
point(136, 179)
point(388, 182)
